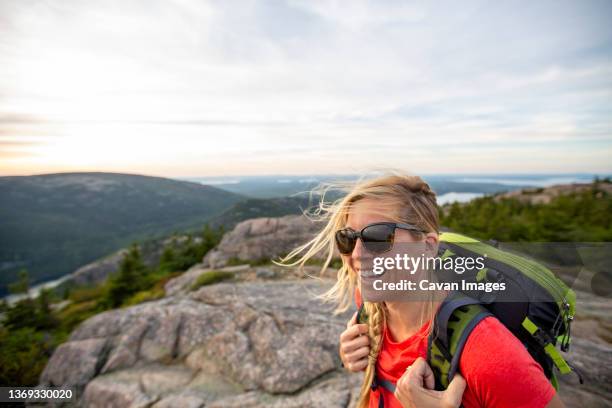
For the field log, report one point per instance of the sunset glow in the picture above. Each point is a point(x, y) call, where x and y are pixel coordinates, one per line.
point(190, 88)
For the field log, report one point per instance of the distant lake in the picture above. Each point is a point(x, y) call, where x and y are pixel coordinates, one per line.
point(457, 197)
point(35, 290)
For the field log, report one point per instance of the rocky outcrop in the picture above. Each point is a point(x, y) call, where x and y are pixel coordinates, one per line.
point(545, 195)
point(593, 360)
point(183, 283)
point(262, 238)
point(249, 344)
point(591, 349)
point(97, 271)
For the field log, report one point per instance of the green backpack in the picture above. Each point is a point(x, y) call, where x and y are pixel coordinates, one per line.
point(538, 310)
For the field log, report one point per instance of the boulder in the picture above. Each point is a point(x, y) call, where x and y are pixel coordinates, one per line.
point(75, 363)
point(97, 271)
point(262, 238)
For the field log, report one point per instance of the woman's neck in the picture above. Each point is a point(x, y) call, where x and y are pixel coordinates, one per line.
point(404, 319)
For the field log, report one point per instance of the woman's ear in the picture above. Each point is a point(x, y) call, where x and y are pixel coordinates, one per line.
point(431, 243)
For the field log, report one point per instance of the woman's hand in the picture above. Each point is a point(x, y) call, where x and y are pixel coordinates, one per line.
point(415, 389)
point(354, 345)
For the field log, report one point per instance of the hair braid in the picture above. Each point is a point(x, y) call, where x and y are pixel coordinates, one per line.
point(376, 321)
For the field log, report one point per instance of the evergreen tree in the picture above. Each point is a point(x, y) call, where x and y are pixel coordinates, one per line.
point(23, 283)
point(168, 256)
point(211, 237)
point(21, 315)
point(131, 278)
point(44, 315)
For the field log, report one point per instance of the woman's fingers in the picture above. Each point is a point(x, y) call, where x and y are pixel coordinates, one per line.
point(415, 388)
point(421, 375)
point(353, 331)
point(352, 345)
point(358, 365)
point(454, 393)
point(352, 321)
point(402, 394)
point(358, 354)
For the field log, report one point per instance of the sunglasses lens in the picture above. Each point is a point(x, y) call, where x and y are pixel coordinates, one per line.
point(378, 238)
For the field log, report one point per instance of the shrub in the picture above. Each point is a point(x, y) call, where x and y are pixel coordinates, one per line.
point(144, 296)
point(23, 355)
point(234, 261)
point(583, 217)
point(210, 277)
point(75, 313)
point(85, 293)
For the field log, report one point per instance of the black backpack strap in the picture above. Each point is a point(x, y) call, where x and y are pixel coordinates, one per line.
point(453, 302)
point(455, 320)
point(388, 385)
point(362, 317)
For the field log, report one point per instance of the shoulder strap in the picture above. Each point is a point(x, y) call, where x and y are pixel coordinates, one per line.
point(455, 320)
point(362, 316)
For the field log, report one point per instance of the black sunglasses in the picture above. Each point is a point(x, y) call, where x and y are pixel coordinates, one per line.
point(377, 238)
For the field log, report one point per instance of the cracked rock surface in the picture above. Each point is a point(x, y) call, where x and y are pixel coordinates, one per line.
point(247, 344)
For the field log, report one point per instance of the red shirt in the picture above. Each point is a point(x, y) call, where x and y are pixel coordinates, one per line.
point(498, 369)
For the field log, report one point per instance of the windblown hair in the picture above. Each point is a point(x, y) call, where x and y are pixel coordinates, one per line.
point(400, 197)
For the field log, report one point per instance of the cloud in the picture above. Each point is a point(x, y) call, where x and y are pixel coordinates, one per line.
point(296, 77)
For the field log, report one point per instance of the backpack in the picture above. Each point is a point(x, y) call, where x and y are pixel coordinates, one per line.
point(538, 310)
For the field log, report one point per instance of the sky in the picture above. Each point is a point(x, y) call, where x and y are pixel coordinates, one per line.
point(183, 88)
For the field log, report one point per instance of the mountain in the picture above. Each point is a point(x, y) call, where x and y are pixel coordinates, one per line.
point(54, 223)
point(261, 207)
point(282, 186)
point(286, 185)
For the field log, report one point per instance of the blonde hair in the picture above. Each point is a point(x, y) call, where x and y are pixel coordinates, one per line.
point(403, 198)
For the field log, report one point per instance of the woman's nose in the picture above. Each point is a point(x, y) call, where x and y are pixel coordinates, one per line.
point(358, 251)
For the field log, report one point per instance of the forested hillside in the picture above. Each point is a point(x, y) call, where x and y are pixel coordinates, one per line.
point(581, 214)
point(52, 224)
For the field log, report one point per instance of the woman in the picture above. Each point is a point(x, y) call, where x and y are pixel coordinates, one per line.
point(496, 369)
